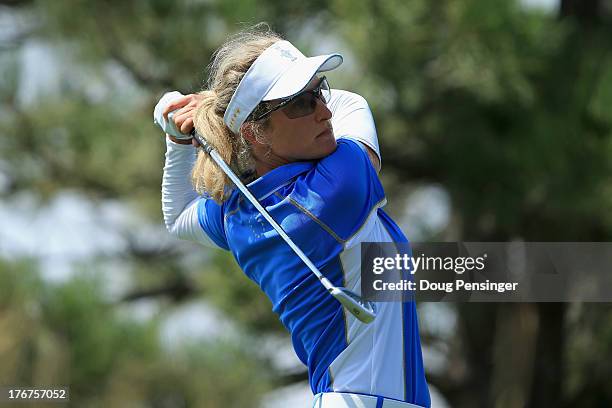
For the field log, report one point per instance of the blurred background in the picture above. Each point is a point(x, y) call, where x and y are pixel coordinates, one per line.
point(495, 123)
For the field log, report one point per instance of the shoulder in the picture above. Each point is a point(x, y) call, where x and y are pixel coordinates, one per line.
point(341, 98)
point(342, 189)
point(350, 156)
point(346, 147)
point(352, 118)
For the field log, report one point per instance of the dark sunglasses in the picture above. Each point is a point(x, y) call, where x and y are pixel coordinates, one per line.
point(301, 104)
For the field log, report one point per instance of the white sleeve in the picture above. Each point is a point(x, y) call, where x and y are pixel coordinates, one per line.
point(179, 200)
point(352, 118)
point(167, 126)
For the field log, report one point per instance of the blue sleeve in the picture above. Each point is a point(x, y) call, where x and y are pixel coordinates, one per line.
point(348, 188)
point(210, 217)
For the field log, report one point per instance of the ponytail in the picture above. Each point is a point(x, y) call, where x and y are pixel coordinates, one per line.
point(230, 62)
point(206, 176)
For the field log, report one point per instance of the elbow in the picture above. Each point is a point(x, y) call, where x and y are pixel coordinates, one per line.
point(170, 218)
point(180, 223)
point(171, 226)
point(173, 230)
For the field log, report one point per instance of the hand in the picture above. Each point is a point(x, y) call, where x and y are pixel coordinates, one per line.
point(184, 108)
point(181, 109)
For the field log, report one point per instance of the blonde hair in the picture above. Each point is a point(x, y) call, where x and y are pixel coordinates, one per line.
point(230, 62)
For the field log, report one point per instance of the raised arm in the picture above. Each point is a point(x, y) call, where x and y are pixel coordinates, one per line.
point(179, 200)
point(352, 119)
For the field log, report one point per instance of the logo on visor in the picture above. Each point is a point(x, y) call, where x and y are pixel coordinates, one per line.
point(288, 54)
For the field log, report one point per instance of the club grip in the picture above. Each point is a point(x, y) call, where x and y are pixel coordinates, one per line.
point(203, 143)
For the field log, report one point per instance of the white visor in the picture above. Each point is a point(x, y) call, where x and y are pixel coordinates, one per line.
point(279, 72)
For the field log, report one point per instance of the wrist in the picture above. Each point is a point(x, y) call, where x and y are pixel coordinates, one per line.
point(179, 141)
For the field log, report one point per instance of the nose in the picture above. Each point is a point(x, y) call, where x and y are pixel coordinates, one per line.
point(322, 112)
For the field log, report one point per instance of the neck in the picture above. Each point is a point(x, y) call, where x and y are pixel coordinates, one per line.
point(266, 160)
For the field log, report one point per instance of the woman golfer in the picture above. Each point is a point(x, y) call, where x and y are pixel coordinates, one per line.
point(310, 156)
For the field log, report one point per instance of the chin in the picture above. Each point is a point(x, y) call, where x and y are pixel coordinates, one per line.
point(326, 146)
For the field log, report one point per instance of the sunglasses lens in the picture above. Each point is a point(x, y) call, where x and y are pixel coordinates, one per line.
point(303, 105)
point(306, 103)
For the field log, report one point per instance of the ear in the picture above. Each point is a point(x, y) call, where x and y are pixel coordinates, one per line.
point(247, 132)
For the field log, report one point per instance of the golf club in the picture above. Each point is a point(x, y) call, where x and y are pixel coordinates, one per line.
point(362, 310)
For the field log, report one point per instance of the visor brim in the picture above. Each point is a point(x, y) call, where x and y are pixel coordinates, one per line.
point(296, 78)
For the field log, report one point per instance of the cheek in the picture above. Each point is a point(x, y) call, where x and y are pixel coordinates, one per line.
point(308, 146)
point(295, 144)
point(292, 137)
point(297, 139)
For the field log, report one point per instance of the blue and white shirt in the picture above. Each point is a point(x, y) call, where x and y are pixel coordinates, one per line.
point(328, 207)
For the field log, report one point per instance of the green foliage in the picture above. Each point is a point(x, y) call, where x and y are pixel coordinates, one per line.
point(500, 105)
point(228, 288)
point(590, 328)
point(73, 144)
point(68, 334)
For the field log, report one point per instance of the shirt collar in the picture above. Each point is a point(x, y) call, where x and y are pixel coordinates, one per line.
point(278, 177)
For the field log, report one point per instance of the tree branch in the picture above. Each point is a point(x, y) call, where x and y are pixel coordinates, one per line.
point(177, 291)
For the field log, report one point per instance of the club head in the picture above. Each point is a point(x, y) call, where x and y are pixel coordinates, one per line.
point(362, 310)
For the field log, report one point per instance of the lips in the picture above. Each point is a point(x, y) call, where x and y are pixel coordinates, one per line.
point(326, 132)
